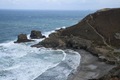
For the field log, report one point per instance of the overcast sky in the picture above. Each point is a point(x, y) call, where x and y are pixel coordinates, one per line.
point(59, 4)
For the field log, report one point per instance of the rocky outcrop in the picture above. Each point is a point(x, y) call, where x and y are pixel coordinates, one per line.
point(36, 35)
point(77, 43)
point(22, 38)
point(52, 42)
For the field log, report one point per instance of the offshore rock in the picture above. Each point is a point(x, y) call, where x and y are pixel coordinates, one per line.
point(22, 38)
point(36, 34)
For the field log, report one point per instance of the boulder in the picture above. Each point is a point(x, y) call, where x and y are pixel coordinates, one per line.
point(52, 42)
point(77, 43)
point(22, 38)
point(36, 34)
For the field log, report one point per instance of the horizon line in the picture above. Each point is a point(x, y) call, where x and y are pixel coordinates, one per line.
point(51, 9)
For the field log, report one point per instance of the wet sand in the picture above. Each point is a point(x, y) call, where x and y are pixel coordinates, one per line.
point(90, 67)
point(63, 69)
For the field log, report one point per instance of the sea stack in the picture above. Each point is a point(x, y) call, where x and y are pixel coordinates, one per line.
point(36, 34)
point(22, 38)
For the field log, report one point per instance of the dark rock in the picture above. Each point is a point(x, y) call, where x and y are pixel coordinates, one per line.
point(43, 36)
point(36, 35)
point(38, 46)
point(53, 35)
point(53, 43)
point(77, 43)
point(22, 38)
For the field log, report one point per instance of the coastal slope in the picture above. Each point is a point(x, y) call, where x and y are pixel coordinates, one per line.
point(104, 23)
point(98, 33)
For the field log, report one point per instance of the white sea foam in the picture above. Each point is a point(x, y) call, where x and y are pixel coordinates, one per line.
point(76, 58)
point(64, 68)
point(47, 33)
point(21, 62)
point(63, 54)
point(53, 31)
point(60, 28)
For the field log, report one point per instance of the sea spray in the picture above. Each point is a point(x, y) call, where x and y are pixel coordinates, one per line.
point(64, 68)
point(18, 60)
point(22, 62)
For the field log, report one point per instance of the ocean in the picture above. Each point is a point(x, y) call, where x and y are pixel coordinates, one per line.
point(22, 62)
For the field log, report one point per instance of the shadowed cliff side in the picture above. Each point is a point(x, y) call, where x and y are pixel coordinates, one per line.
point(106, 23)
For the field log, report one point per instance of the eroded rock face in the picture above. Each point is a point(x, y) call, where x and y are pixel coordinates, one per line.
point(22, 38)
point(53, 43)
point(77, 43)
point(36, 34)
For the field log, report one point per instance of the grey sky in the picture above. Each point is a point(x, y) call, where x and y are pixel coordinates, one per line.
point(59, 4)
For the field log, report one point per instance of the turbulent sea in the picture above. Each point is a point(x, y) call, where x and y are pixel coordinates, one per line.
point(20, 61)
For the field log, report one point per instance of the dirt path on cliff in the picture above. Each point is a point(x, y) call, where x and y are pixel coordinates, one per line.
point(104, 41)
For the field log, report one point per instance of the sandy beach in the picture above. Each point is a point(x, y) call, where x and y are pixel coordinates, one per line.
point(90, 67)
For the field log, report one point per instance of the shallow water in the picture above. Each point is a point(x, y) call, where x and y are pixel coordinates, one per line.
point(18, 60)
point(22, 62)
point(64, 68)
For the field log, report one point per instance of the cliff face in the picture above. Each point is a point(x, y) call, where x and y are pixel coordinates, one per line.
point(106, 23)
point(98, 32)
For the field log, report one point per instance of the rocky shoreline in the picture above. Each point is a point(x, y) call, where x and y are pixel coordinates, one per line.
point(98, 33)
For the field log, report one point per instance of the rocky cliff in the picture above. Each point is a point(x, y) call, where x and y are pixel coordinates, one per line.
point(98, 33)
point(102, 27)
